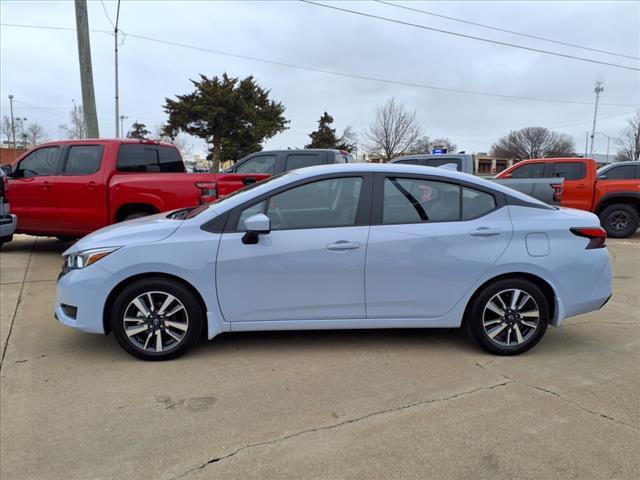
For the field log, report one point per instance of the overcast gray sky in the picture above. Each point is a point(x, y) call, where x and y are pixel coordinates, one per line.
point(40, 67)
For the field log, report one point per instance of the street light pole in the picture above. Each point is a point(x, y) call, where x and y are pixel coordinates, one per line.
point(13, 125)
point(115, 37)
point(122, 119)
point(22, 120)
point(608, 140)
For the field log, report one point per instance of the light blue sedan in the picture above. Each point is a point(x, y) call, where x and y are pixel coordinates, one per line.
point(340, 247)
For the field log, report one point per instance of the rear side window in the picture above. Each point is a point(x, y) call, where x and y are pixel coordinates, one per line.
point(41, 162)
point(623, 172)
point(530, 170)
point(83, 159)
point(301, 161)
point(409, 200)
point(263, 164)
point(569, 170)
point(476, 203)
point(148, 158)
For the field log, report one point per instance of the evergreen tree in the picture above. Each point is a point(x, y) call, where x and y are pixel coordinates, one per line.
point(324, 136)
point(139, 131)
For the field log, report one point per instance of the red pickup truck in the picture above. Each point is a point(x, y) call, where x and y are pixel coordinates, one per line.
point(69, 188)
point(612, 193)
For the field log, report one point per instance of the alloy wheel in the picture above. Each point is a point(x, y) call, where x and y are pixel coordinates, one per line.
point(155, 321)
point(510, 317)
point(619, 220)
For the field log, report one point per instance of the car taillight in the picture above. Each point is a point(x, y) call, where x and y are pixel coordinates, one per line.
point(558, 190)
point(208, 192)
point(596, 235)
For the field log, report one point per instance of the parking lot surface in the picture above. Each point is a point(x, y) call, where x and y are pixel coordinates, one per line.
point(340, 404)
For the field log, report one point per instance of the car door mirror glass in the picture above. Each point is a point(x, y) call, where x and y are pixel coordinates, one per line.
point(602, 176)
point(6, 169)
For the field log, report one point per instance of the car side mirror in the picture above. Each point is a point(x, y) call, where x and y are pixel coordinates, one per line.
point(602, 176)
point(507, 175)
point(6, 169)
point(256, 225)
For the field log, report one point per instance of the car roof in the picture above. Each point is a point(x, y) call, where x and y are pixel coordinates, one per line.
point(617, 164)
point(106, 140)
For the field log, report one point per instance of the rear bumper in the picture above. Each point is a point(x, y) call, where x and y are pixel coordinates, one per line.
point(8, 225)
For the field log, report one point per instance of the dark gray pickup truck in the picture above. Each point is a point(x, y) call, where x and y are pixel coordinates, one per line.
point(549, 190)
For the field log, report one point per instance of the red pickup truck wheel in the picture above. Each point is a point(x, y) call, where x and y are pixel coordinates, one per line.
point(619, 220)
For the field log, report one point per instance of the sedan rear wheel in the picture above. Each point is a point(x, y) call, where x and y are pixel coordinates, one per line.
point(509, 317)
point(156, 319)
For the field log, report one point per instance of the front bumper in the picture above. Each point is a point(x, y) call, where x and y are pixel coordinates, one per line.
point(86, 290)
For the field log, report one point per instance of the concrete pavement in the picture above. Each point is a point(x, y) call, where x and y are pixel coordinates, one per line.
point(368, 404)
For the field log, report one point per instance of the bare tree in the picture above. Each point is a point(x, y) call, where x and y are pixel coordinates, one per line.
point(393, 132)
point(348, 140)
point(629, 142)
point(533, 142)
point(180, 141)
point(35, 134)
point(77, 127)
point(6, 130)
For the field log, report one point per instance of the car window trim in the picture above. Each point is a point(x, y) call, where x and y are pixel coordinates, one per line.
point(363, 212)
point(378, 196)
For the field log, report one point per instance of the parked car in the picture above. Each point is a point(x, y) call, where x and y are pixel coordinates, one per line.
point(547, 189)
point(69, 188)
point(8, 220)
point(612, 193)
point(340, 246)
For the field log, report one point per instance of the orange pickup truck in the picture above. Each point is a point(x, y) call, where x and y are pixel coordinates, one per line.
point(612, 192)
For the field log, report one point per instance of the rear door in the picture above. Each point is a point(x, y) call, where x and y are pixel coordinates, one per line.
point(577, 192)
point(81, 190)
point(32, 190)
point(430, 241)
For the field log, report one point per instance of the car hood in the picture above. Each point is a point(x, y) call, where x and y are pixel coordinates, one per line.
point(153, 228)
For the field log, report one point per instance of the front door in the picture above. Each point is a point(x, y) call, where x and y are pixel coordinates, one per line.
point(309, 267)
point(431, 243)
point(32, 191)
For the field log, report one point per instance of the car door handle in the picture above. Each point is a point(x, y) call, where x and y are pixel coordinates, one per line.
point(485, 232)
point(249, 180)
point(92, 185)
point(46, 185)
point(343, 245)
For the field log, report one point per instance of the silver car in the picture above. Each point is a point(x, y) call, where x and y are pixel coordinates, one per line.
point(340, 246)
point(8, 221)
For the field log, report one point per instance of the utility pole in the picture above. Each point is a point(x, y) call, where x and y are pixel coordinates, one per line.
point(586, 146)
point(13, 125)
point(86, 71)
point(122, 119)
point(115, 37)
point(598, 90)
point(24, 142)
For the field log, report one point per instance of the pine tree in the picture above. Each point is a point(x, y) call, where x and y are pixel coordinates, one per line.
point(139, 131)
point(324, 136)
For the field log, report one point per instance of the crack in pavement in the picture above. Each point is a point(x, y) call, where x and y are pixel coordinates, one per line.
point(15, 311)
point(557, 395)
point(340, 424)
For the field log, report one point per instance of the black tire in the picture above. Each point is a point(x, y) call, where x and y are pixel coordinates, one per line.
point(620, 220)
point(476, 318)
point(135, 215)
point(192, 315)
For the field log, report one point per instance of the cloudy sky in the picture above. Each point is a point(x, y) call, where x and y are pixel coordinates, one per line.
point(40, 66)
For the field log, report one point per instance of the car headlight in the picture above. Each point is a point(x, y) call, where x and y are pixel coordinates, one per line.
point(87, 257)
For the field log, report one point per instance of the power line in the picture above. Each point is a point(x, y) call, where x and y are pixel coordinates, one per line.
point(559, 42)
point(107, 15)
point(471, 37)
point(337, 73)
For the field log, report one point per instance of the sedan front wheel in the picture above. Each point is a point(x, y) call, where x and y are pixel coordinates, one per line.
point(156, 319)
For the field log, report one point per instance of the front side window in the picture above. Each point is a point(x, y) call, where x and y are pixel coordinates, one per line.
point(264, 164)
point(530, 170)
point(83, 160)
point(410, 200)
point(301, 161)
point(321, 204)
point(569, 170)
point(42, 162)
point(623, 172)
